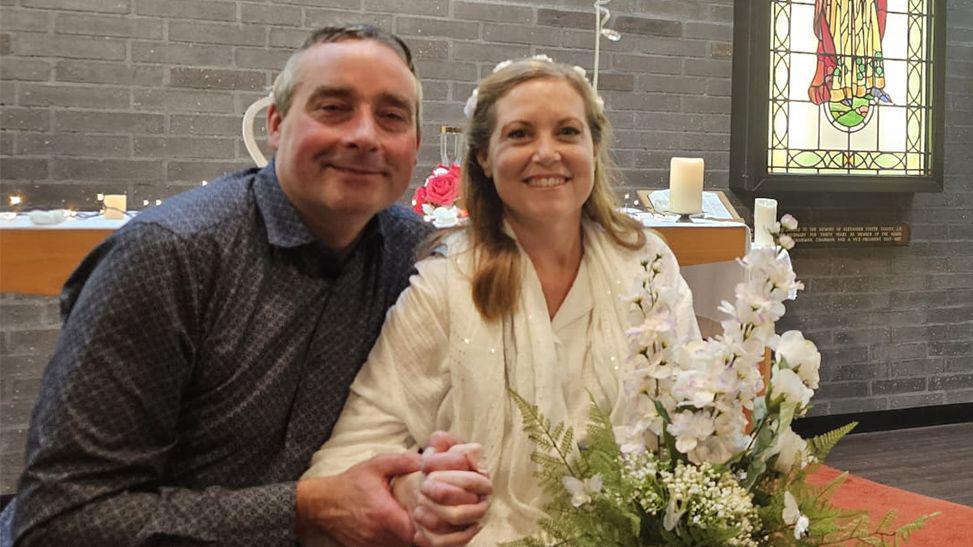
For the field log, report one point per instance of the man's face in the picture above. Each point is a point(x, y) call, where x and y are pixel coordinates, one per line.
point(347, 146)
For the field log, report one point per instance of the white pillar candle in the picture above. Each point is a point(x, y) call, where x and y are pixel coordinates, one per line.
point(764, 217)
point(686, 185)
point(115, 206)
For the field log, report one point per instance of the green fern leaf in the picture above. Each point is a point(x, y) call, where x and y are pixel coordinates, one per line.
point(822, 444)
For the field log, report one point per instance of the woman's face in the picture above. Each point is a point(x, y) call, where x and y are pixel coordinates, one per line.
point(541, 156)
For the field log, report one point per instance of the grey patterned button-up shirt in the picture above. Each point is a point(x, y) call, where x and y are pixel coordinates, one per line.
point(207, 351)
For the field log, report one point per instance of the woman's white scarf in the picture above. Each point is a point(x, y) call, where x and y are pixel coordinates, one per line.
point(485, 359)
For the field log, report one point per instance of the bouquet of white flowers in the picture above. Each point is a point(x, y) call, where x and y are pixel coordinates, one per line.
point(706, 455)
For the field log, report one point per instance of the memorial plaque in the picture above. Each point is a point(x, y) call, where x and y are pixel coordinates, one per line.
point(877, 235)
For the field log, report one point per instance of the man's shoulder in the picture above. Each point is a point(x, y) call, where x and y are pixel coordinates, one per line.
point(220, 204)
point(402, 226)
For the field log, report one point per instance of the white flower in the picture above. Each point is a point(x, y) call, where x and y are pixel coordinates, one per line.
point(542, 57)
point(470, 107)
point(580, 71)
point(788, 222)
point(792, 515)
point(581, 490)
point(790, 449)
point(802, 356)
point(502, 65)
point(689, 428)
point(673, 513)
point(786, 241)
point(787, 385)
point(441, 217)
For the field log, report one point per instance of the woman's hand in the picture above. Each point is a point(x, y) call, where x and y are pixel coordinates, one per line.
point(449, 497)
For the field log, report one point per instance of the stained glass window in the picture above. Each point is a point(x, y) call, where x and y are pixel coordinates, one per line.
point(849, 87)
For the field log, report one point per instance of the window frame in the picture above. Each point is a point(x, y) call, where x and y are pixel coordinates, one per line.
point(750, 112)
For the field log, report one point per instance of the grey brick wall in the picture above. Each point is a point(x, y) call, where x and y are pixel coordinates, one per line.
point(145, 97)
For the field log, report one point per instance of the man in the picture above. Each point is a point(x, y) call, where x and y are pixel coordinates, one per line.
point(208, 346)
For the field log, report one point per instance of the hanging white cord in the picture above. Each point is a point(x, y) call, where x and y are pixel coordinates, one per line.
point(248, 139)
point(602, 15)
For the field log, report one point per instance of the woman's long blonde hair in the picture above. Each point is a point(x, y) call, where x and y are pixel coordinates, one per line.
point(496, 273)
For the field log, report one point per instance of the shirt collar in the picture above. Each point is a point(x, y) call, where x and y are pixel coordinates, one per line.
point(284, 225)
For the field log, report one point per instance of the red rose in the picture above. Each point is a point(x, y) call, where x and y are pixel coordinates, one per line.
point(442, 187)
point(418, 199)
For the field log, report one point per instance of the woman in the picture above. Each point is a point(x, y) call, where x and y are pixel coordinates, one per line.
point(527, 297)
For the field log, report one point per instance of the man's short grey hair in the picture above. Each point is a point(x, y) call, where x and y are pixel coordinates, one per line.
point(286, 81)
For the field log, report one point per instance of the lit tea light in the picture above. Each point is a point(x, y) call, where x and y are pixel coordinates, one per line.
point(16, 200)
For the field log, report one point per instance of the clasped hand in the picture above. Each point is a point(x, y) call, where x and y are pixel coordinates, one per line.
point(449, 495)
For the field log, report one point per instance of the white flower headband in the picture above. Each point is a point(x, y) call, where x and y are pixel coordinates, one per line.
point(470, 106)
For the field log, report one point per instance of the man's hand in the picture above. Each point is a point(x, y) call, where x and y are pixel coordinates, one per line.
point(356, 508)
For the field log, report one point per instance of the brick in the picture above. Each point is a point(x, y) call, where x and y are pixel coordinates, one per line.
point(709, 67)
point(108, 170)
point(435, 91)
point(342, 4)
point(72, 95)
point(646, 26)
point(521, 34)
point(4, 44)
point(960, 396)
point(23, 169)
point(861, 371)
point(36, 144)
point(440, 70)
point(30, 314)
point(843, 390)
point(81, 121)
point(438, 8)
point(651, 64)
point(24, 20)
point(196, 171)
point(428, 50)
point(721, 50)
point(103, 6)
point(287, 37)
point(314, 18)
point(183, 147)
point(565, 19)
point(216, 33)
point(272, 59)
point(28, 119)
point(271, 15)
point(672, 9)
point(898, 385)
point(951, 382)
point(178, 100)
point(108, 73)
point(13, 68)
point(686, 85)
point(850, 406)
point(105, 25)
point(951, 348)
point(498, 13)
point(188, 9)
point(706, 104)
point(415, 26)
point(708, 31)
point(917, 367)
point(207, 78)
point(914, 400)
point(72, 47)
point(201, 124)
point(651, 102)
point(182, 54)
point(29, 341)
